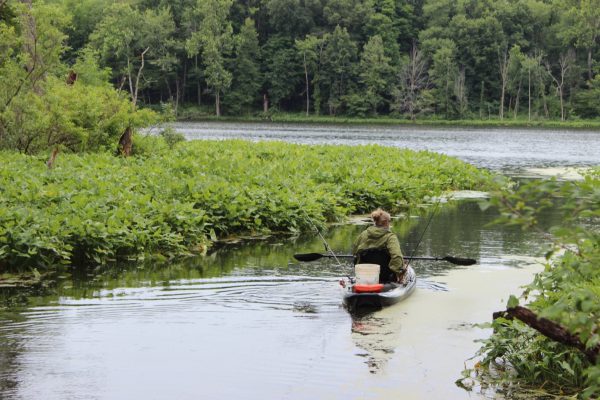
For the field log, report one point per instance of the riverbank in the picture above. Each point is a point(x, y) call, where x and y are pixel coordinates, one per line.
point(199, 115)
point(171, 202)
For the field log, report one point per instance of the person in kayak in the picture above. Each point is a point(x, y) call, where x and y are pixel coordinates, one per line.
point(378, 245)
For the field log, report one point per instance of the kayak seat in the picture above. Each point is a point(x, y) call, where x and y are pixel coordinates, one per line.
point(377, 256)
point(376, 288)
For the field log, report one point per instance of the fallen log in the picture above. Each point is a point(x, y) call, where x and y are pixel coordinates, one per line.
point(549, 329)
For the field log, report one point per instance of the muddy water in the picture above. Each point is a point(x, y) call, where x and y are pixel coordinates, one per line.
point(249, 322)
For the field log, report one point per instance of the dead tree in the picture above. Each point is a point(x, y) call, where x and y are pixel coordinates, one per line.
point(549, 329)
point(72, 78)
point(125, 143)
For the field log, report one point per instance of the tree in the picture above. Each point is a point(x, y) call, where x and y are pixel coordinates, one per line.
point(292, 18)
point(586, 103)
point(443, 74)
point(32, 41)
point(310, 50)
point(213, 39)
point(375, 72)
point(516, 67)
point(581, 26)
point(460, 93)
point(531, 64)
point(348, 14)
point(246, 76)
point(565, 65)
point(340, 58)
point(129, 38)
point(282, 69)
point(381, 20)
point(503, 63)
point(413, 80)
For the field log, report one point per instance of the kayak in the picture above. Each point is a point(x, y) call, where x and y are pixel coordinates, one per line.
point(358, 297)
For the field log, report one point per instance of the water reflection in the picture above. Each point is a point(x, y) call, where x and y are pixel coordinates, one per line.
point(250, 311)
point(377, 335)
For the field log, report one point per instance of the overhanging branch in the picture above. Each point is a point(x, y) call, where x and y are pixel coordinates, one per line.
point(550, 329)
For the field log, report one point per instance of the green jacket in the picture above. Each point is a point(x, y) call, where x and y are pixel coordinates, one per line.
point(380, 238)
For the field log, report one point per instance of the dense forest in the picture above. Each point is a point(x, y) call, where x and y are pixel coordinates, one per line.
point(527, 59)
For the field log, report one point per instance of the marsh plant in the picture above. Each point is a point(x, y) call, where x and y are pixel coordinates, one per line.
point(97, 208)
point(566, 293)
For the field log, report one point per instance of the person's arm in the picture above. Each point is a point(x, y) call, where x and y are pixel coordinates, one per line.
point(396, 259)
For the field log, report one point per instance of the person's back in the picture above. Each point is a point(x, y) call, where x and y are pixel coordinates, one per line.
point(378, 245)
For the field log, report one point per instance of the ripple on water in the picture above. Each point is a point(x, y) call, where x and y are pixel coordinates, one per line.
point(209, 295)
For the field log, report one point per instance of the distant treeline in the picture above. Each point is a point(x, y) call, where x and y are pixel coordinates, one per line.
point(528, 59)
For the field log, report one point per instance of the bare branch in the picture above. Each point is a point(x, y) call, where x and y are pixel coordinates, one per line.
point(549, 329)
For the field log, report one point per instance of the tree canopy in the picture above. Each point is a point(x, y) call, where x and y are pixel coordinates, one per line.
point(533, 59)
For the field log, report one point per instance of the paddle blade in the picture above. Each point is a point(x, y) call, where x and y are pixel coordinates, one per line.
point(460, 261)
point(308, 256)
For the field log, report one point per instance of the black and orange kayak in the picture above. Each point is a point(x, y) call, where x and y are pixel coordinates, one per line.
point(359, 296)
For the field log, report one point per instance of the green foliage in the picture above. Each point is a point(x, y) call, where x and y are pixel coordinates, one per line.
point(375, 72)
point(247, 78)
point(172, 137)
point(197, 50)
point(339, 68)
point(96, 208)
point(213, 40)
point(566, 292)
point(38, 108)
point(282, 72)
point(585, 103)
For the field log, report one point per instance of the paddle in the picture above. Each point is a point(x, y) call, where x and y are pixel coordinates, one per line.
point(453, 260)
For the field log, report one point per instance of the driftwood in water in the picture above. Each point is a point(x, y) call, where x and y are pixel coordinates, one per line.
point(549, 329)
point(50, 162)
point(125, 143)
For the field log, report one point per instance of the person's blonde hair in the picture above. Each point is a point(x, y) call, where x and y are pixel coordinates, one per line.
point(380, 217)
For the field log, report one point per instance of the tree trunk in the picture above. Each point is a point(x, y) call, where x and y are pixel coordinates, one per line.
point(529, 93)
point(265, 103)
point(177, 95)
point(516, 110)
point(503, 63)
point(307, 86)
point(199, 87)
point(218, 103)
point(50, 162)
point(590, 64)
point(549, 329)
point(125, 143)
point(168, 88)
point(184, 82)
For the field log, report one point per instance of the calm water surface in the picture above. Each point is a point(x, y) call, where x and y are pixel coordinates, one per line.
point(249, 322)
point(494, 148)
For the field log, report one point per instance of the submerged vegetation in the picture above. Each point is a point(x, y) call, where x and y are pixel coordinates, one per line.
point(95, 208)
point(565, 297)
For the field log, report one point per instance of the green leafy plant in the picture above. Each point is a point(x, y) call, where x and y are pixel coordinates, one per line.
point(95, 208)
point(566, 293)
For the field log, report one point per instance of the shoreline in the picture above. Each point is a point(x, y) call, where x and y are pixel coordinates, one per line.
point(387, 121)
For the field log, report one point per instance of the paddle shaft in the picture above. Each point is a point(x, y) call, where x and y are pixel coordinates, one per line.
point(453, 260)
point(404, 257)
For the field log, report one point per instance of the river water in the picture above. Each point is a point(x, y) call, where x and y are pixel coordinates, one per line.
point(249, 322)
point(509, 150)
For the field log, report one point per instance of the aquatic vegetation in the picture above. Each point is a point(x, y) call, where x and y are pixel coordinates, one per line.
point(97, 208)
point(566, 293)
